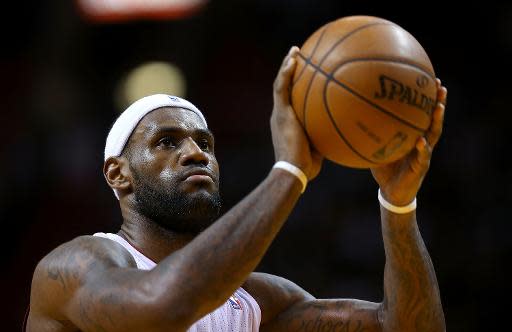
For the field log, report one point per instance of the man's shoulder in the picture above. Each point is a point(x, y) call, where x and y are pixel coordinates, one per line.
point(83, 248)
point(274, 294)
point(65, 268)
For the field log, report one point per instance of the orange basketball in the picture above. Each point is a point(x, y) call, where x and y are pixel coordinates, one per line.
point(364, 90)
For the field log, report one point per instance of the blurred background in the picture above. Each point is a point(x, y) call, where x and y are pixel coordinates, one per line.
point(69, 67)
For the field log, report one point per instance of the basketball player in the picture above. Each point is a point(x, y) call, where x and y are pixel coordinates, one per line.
point(176, 266)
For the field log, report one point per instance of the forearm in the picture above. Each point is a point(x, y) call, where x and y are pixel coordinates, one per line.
point(411, 301)
point(209, 269)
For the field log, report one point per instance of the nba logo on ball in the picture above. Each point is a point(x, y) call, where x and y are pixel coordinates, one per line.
point(364, 90)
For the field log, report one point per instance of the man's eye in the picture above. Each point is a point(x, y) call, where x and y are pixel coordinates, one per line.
point(166, 141)
point(204, 145)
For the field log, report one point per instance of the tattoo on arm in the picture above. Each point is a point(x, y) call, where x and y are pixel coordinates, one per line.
point(412, 299)
point(329, 316)
point(88, 321)
point(54, 273)
point(323, 321)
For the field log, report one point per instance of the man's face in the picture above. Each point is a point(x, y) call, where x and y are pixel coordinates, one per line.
point(174, 170)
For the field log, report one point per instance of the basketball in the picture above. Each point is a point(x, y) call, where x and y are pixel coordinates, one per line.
point(364, 90)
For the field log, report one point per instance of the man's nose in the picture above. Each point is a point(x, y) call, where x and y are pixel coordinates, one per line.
point(191, 153)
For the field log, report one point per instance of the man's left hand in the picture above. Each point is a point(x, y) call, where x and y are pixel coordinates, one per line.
point(400, 181)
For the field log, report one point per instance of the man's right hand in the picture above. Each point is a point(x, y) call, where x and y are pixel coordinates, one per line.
point(290, 141)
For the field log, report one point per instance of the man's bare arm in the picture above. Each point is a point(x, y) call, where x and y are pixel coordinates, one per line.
point(411, 295)
point(412, 301)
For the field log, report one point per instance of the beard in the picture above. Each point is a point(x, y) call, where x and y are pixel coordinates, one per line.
point(175, 210)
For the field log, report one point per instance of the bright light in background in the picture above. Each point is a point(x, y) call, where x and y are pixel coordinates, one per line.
point(150, 78)
point(126, 10)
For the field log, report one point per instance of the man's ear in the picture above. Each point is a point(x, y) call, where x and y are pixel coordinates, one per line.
point(117, 173)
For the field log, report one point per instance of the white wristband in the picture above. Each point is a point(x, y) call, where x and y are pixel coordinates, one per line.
point(397, 209)
point(295, 171)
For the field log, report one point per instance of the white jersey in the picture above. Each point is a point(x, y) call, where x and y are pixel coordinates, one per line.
point(240, 313)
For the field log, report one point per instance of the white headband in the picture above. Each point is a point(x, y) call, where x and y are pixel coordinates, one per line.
point(130, 118)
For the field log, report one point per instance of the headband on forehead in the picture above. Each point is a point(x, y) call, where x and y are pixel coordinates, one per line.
point(130, 118)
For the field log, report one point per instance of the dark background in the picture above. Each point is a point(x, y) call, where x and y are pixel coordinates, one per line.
point(58, 77)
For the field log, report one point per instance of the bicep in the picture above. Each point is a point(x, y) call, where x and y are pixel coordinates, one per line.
point(328, 315)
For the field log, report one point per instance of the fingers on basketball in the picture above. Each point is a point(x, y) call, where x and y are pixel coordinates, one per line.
point(424, 151)
point(436, 127)
point(282, 81)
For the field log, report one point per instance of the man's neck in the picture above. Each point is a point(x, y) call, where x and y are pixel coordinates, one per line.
point(150, 239)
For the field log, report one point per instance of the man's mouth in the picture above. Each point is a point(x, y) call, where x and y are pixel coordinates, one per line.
point(197, 175)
